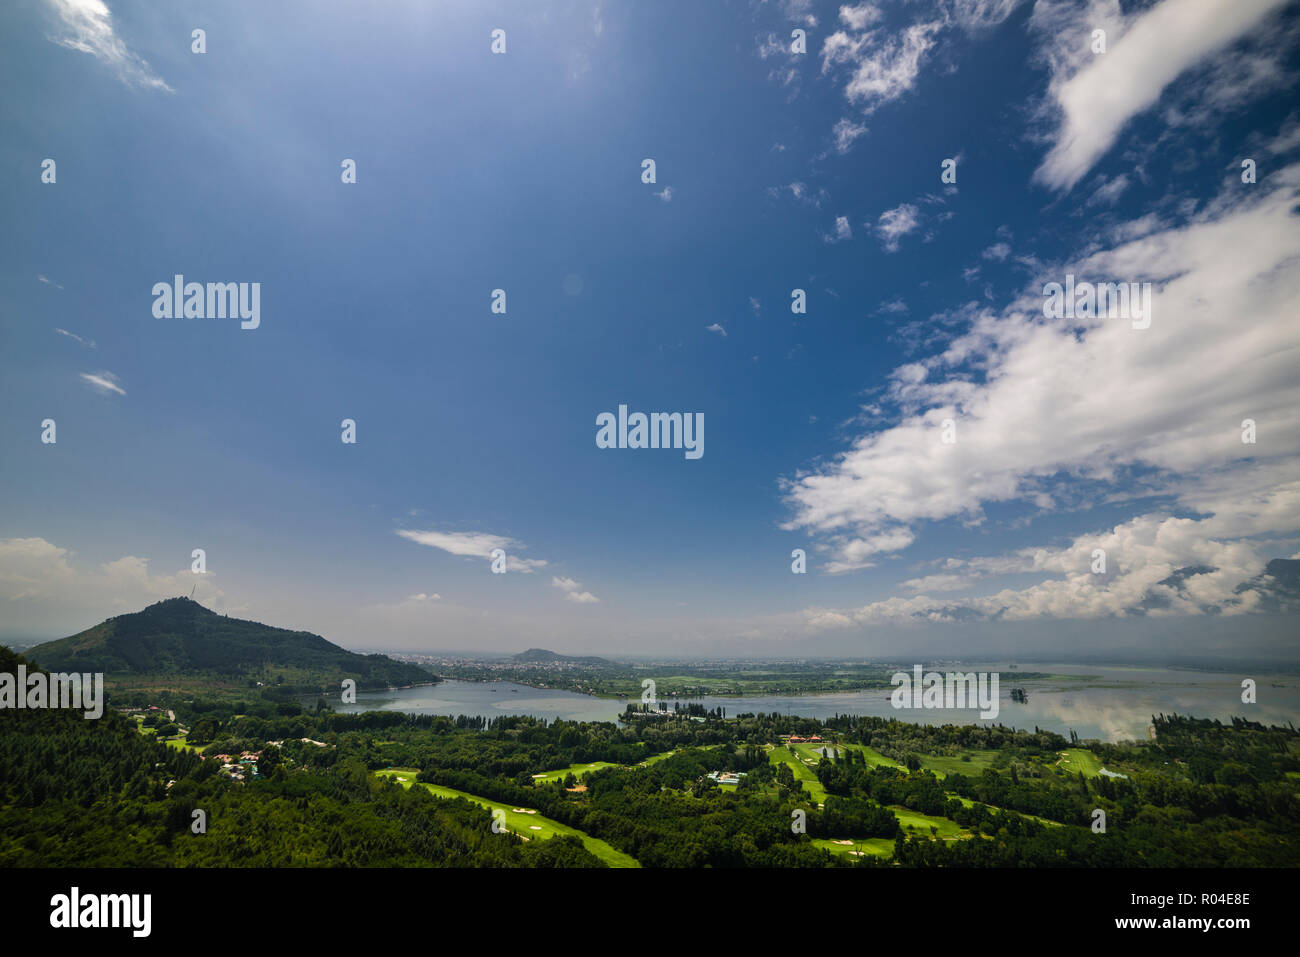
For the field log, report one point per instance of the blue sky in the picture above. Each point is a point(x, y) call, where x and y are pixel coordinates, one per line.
point(775, 171)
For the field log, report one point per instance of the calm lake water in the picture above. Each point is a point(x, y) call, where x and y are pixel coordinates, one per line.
point(1109, 703)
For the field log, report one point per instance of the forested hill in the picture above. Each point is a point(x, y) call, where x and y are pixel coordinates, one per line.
point(542, 657)
point(180, 636)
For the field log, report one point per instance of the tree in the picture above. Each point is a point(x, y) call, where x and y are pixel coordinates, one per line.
point(203, 731)
point(269, 761)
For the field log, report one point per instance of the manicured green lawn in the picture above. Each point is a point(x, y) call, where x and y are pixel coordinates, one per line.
point(180, 744)
point(655, 759)
point(577, 770)
point(813, 752)
point(921, 824)
point(967, 802)
point(525, 822)
point(944, 765)
point(873, 846)
point(1075, 760)
point(940, 765)
point(874, 758)
point(802, 772)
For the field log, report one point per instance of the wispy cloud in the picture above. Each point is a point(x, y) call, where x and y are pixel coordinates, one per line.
point(716, 328)
point(845, 132)
point(842, 231)
point(88, 28)
point(103, 382)
point(48, 281)
point(1094, 95)
point(883, 63)
point(896, 223)
point(802, 192)
point(1107, 192)
point(860, 16)
point(474, 545)
point(666, 194)
point(88, 343)
point(883, 68)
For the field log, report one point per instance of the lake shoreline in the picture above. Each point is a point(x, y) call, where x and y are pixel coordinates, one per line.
point(1107, 708)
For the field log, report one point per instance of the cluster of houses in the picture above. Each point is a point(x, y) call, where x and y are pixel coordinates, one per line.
point(726, 777)
point(152, 709)
point(240, 768)
point(662, 713)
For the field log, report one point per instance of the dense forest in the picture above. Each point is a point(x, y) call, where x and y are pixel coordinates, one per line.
point(870, 792)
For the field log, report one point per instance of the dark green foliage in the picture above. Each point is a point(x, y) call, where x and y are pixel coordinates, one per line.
point(179, 636)
point(100, 793)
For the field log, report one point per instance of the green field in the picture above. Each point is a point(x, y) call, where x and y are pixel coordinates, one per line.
point(940, 766)
point(802, 772)
point(655, 759)
point(921, 824)
point(967, 802)
point(874, 758)
point(179, 742)
point(1076, 760)
point(522, 821)
point(873, 846)
point(812, 752)
point(943, 765)
point(577, 770)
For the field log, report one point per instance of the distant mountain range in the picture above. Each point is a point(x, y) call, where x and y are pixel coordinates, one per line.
point(179, 636)
point(541, 656)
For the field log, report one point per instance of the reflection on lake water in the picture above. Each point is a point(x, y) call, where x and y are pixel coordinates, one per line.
point(1110, 703)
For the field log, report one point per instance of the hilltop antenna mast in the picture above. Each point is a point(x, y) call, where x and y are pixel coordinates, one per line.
point(192, 590)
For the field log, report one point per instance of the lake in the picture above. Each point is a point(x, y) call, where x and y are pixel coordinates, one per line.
point(1110, 703)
